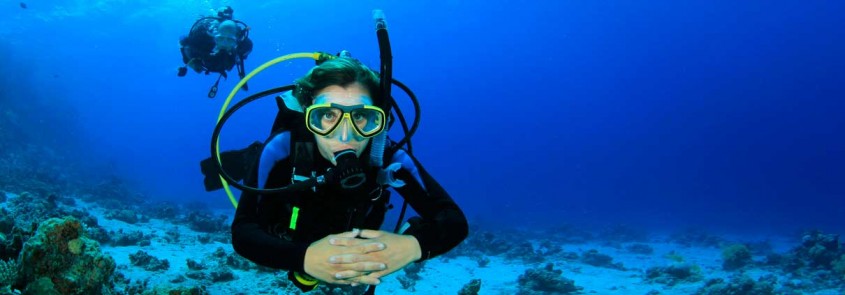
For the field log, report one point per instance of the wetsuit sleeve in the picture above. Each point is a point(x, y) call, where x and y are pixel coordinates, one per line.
point(442, 225)
point(251, 241)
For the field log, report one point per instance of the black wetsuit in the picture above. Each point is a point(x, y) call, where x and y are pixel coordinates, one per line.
point(200, 44)
point(261, 230)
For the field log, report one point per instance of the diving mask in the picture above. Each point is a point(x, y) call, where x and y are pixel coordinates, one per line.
point(323, 119)
point(223, 42)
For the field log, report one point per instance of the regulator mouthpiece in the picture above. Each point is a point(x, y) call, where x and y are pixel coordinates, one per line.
point(348, 172)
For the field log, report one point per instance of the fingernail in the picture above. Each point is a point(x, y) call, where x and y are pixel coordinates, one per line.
point(354, 284)
point(378, 282)
point(382, 266)
point(332, 241)
point(332, 259)
point(338, 276)
point(381, 246)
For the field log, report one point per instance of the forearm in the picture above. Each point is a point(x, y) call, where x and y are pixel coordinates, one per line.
point(251, 242)
point(443, 225)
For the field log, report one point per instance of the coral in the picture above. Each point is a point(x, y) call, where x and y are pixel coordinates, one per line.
point(594, 258)
point(47, 255)
point(486, 243)
point(412, 275)
point(237, 262)
point(10, 246)
point(471, 288)
point(222, 274)
point(75, 246)
point(194, 265)
point(673, 274)
point(839, 266)
point(739, 285)
point(42, 285)
point(735, 256)
point(147, 262)
point(7, 221)
point(120, 238)
point(525, 251)
point(546, 280)
point(8, 273)
point(98, 234)
point(206, 222)
point(30, 209)
point(818, 253)
point(407, 283)
point(127, 216)
point(163, 210)
point(413, 270)
point(820, 249)
point(483, 261)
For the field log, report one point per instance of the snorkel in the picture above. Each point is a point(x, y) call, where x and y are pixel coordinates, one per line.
point(385, 77)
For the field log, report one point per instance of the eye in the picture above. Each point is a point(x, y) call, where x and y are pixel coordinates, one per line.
point(330, 116)
point(358, 117)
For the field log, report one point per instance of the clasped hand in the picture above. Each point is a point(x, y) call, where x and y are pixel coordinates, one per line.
point(360, 256)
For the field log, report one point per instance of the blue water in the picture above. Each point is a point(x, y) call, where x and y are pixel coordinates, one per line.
point(662, 114)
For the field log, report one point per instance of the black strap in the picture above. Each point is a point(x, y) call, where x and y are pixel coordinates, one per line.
point(242, 71)
point(303, 157)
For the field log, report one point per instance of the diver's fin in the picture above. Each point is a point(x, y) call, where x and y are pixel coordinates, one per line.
point(236, 163)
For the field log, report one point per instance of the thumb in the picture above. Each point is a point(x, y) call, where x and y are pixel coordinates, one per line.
point(350, 234)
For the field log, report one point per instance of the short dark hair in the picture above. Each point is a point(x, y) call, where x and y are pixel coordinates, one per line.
point(340, 71)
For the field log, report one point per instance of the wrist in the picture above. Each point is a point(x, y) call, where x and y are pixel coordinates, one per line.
point(416, 250)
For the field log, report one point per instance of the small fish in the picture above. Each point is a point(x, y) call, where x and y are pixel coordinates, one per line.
point(23, 5)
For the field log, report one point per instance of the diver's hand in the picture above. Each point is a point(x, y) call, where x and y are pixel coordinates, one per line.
point(319, 266)
point(400, 250)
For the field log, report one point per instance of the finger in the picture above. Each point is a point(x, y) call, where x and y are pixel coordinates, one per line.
point(378, 274)
point(370, 247)
point(350, 234)
point(366, 267)
point(358, 247)
point(345, 258)
point(347, 274)
point(345, 239)
point(369, 279)
point(370, 234)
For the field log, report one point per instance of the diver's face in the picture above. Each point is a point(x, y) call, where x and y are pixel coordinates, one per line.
point(344, 137)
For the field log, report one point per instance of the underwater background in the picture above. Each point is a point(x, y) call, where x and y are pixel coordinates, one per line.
point(624, 122)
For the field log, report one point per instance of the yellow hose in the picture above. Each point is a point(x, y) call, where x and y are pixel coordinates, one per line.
point(310, 55)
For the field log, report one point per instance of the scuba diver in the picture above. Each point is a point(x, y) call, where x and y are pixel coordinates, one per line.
point(316, 192)
point(216, 45)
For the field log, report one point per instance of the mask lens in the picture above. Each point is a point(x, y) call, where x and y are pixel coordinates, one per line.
point(324, 119)
point(367, 121)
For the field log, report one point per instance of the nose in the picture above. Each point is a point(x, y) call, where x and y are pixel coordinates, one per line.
point(344, 132)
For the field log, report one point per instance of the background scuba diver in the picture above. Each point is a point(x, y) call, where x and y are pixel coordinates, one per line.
point(314, 233)
point(216, 45)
